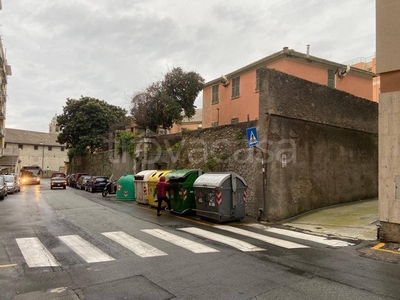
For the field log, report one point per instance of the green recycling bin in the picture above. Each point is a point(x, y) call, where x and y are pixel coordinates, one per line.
point(182, 193)
point(125, 188)
point(220, 196)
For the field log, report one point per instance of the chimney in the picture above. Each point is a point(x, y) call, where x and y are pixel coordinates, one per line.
point(308, 50)
point(285, 49)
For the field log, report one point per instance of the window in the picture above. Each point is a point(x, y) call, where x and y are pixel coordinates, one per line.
point(234, 120)
point(62, 148)
point(235, 87)
point(36, 147)
point(20, 146)
point(214, 124)
point(258, 80)
point(215, 94)
point(331, 78)
point(50, 148)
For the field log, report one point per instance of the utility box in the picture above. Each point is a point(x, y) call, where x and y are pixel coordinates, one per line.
point(182, 192)
point(152, 182)
point(220, 196)
point(141, 186)
point(125, 188)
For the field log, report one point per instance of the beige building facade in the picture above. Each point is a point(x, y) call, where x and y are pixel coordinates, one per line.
point(24, 147)
point(388, 67)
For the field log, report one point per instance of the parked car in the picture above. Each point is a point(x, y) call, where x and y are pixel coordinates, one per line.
point(71, 180)
point(60, 182)
point(76, 178)
point(18, 181)
point(96, 184)
point(81, 183)
point(3, 188)
point(11, 183)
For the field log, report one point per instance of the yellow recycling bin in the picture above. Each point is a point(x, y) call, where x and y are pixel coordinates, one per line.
point(152, 182)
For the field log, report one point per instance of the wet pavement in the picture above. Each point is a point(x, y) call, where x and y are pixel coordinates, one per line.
point(356, 221)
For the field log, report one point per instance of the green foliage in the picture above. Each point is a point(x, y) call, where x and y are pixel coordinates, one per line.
point(85, 121)
point(72, 152)
point(175, 147)
point(125, 142)
point(167, 102)
point(216, 162)
point(240, 135)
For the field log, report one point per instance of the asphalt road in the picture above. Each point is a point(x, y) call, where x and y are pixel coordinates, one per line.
point(71, 244)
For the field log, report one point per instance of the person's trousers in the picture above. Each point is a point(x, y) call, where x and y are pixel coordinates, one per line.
point(160, 200)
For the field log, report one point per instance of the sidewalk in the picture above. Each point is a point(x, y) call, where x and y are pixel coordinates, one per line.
point(355, 220)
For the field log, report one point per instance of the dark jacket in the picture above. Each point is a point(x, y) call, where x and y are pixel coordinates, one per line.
point(162, 187)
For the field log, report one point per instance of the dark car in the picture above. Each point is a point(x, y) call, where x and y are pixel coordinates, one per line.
point(58, 182)
point(82, 181)
point(96, 184)
point(3, 188)
point(70, 179)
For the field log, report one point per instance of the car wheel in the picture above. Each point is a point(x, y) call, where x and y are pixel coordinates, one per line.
point(51, 187)
point(2, 197)
point(64, 187)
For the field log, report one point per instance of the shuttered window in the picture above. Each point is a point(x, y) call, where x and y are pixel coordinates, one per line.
point(215, 94)
point(235, 87)
point(331, 78)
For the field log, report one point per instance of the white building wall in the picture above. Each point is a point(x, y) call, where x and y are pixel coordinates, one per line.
point(53, 160)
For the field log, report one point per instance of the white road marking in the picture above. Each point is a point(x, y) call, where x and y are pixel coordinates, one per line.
point(84, 249)
point(179, 241)
point(238, 244)
point(304, 236)
point(35, 253)
point(135, 245)
point(264, 238)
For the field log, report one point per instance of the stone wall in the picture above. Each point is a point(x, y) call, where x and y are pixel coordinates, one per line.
point(322, 145)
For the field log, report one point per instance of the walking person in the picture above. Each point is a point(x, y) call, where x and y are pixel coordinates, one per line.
point(162, 188)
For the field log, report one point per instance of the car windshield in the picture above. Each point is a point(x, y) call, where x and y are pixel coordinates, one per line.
point(58, 178)
point(9, 178)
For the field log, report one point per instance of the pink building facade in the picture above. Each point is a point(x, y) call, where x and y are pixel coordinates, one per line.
point(233, 98)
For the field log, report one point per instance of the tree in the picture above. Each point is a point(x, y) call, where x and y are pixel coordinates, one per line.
point(85, 121)
point(167, 102)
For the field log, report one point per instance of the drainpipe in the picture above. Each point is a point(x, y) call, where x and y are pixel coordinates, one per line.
point(265, 168)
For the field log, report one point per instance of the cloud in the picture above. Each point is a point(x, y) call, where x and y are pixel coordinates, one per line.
point(111, 49)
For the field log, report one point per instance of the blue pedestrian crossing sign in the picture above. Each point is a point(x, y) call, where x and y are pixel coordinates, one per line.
point(252, 137)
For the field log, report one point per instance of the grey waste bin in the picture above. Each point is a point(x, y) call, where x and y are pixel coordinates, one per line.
point(220, 196)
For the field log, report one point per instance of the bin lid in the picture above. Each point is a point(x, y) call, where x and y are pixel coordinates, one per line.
point(157, 174)
point(214, 180)
point(175, 174)
point(126, 179)
point(144, 175)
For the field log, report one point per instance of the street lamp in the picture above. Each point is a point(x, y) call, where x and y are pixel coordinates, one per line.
point(12, 162)
point(42, 156)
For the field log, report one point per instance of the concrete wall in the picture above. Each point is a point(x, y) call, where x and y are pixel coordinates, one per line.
point(321, 143)
point(387, 35)
point(389, 165)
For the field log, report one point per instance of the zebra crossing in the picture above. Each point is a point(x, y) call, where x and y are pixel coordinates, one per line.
point(36, 254)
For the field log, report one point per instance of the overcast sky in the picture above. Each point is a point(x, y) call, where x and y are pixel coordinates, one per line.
point(111, 49)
